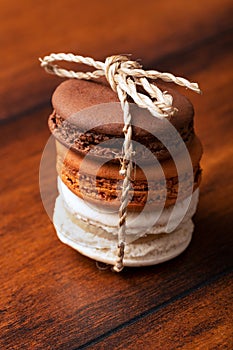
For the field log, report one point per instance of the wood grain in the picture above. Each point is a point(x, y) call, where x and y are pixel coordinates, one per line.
point(193, 324)
point(53, 298)
point(151, 32)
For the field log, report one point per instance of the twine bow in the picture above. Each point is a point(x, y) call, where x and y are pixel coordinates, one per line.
point(124, 77)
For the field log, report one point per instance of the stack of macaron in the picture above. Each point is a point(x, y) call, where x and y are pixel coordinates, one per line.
point(87, 123)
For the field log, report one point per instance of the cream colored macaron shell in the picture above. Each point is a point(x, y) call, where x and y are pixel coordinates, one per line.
point(137, 224)
point(94, 233)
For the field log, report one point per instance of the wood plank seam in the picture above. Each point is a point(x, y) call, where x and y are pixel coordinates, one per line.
point(27, 112)
point(155, 62)
point(213, 40)
point(156, 308)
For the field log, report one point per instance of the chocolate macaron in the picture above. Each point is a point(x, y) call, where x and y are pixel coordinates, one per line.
point(86, 115)
point(87, 123)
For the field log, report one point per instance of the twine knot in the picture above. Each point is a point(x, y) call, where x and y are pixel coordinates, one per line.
point(125, 77)
point(115, 67)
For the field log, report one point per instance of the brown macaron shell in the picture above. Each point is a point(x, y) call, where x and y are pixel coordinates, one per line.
point(99, 183)
point(87, 113)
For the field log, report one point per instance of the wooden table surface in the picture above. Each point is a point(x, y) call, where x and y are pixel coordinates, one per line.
point(53, 298)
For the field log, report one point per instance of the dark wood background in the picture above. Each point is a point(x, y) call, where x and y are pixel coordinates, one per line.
point(50, 296)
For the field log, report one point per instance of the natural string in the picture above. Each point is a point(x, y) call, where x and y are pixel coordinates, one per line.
point(124, 77)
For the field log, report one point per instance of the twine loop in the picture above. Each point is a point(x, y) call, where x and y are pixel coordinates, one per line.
point(125, 77)
point(112, 67)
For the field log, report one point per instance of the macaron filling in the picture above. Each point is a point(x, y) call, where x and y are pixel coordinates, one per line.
point(104, 222)
point(153, 249)
point(90, 141)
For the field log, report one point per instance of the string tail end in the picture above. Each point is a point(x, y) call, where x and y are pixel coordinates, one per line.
point(118, 267)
